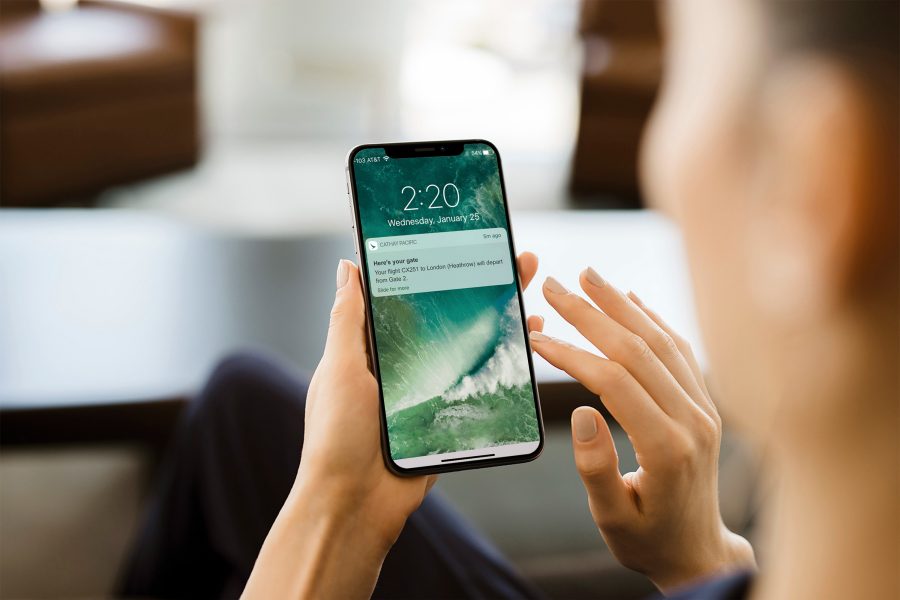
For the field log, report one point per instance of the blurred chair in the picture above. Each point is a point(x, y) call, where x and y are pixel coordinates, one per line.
point(621, 73)
point(100, 94)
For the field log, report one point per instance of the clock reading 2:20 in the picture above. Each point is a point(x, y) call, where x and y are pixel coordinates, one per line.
point(438, 193)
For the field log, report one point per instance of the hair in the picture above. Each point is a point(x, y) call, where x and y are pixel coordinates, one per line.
point(864, 35)
point(846, 27)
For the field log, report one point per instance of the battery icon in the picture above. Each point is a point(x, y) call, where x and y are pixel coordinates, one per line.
point(486, 152)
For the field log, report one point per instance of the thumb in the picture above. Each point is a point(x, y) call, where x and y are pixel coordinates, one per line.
point(598, 463)
point(347, 328)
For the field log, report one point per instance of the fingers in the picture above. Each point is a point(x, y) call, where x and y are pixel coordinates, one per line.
point(528, 265)
point(625, 312)
point(598, 465)
point(535, 323)
point(682, 344)
point(623, 347)
point(626, 400)
point(346, 330)
point(430, 480)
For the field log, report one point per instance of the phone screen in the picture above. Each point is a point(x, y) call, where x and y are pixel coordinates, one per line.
point(449, 339)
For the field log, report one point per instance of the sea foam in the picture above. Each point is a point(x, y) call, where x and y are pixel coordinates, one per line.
point(508, 365)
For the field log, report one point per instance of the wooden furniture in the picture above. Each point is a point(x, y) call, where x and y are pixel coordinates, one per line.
point(620, 75)
point(97, 95)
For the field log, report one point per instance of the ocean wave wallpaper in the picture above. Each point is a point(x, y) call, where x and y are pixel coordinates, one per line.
point(453, 363)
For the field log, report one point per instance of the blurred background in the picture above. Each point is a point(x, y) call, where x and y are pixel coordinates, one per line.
point(172, 189)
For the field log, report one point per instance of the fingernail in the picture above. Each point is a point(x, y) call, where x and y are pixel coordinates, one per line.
point(584, 424)
point(634, 298)
point(593, 277)
point(554, 286)
point(537, 336)
point(343, 273)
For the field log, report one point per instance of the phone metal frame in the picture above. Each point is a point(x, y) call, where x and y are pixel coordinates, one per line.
point(422, 149)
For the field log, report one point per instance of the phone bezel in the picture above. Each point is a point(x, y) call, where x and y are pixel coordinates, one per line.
point(422, 149)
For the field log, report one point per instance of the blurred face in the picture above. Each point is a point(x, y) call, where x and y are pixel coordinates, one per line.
point(698, 166)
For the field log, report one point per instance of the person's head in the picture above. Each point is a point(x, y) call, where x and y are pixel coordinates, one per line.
point(774, 145)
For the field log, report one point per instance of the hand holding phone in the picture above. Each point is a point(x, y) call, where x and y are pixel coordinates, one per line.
point(344, 501)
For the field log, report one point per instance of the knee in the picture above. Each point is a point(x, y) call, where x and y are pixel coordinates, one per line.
point(239, 367)
point(245, 382)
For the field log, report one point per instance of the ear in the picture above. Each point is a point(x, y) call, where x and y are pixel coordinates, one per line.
point(811, 210)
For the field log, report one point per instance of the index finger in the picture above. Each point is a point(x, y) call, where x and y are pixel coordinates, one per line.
point(346, 340)
point(629, 403)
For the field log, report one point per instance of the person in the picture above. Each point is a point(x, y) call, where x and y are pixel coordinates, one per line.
point(774, 146)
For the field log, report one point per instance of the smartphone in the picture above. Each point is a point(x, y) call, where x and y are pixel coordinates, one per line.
point(445, 319)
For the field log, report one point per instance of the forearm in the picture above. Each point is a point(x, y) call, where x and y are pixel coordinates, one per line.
point(316, 551)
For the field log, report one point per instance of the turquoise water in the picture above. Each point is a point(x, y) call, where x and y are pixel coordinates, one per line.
point(454, 371)
point(479, 421)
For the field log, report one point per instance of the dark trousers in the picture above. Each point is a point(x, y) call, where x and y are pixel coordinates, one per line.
point(235, 457)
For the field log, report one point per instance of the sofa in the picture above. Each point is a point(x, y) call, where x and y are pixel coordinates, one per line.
point(99, 94)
